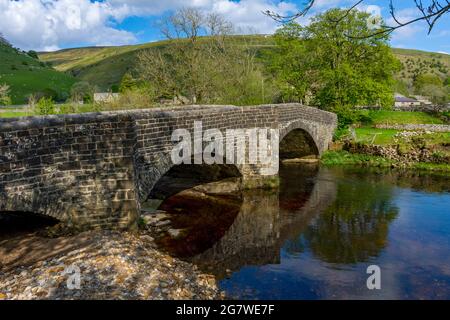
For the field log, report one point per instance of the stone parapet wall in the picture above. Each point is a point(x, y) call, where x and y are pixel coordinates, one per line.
point(416, 127)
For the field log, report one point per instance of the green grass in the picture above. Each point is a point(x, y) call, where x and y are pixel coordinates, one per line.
point(14, 114)
point(342, 158)
point(386, 136)
point(347, 158)
point(26, 75)
point(382, 136)
point(401, 117)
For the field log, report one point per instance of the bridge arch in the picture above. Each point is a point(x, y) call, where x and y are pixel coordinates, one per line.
point(319, 135)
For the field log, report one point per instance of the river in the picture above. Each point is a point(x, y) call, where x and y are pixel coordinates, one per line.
point(315, 236)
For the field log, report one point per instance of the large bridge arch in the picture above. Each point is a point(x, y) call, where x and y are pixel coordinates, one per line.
point(94, 169)
point(151, 174)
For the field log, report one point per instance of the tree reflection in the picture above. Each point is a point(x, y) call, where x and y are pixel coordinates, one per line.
point(355, 227)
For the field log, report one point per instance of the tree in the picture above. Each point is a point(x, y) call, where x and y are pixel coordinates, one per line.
point(424, 80)
point(127, 83)
point(33, 54)
point(4, 95)
point(82, 91)
point(319, 63)
point(432, 86)
point(438, 94)
point(431, 12)
point(447, 81)
point(202, 62)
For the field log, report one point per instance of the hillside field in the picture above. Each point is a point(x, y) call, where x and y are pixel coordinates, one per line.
point(26, 75)
point(105, 66)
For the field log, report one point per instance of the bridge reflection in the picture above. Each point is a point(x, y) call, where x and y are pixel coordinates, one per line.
point(224, 233)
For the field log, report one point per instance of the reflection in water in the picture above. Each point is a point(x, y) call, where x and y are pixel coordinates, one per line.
point(315, 236)
point(354, 228)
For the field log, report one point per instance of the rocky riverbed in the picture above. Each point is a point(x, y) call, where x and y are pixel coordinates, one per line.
point(110, 265)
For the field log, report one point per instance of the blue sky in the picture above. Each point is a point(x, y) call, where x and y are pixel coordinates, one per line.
point(57, 24)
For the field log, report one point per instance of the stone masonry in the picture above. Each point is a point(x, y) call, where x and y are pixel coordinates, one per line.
point(94, 170)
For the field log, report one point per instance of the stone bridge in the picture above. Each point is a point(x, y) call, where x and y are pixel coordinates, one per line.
point(94, 170)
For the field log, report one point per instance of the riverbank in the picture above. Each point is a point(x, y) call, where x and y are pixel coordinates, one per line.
point(112, 265)
point(342, 157)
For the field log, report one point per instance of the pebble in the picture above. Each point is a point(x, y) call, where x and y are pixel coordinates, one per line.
point(120, 266)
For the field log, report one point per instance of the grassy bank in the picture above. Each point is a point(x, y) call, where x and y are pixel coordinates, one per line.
point(334, 158)
point(403, 117)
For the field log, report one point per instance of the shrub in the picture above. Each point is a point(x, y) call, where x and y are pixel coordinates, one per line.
point(346, 116)
point(33, 54)
point(127, 83)
point(45, 106)
point(82, 91)
point(115, 88)
point(141, 97)
point(4, 95)
point(68, 108)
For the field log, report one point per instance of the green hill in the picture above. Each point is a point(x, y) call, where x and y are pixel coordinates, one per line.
point(26, 75)
point(417, 62)
point(105, 66)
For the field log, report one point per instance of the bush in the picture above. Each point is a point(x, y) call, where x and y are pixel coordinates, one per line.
point(68, 108)
point(115, 88)
point(45, 106)
point(82, 91)
point(33, 54)
point(5, 99)
point(346, 116)
point(365, 118)
point(141, 97)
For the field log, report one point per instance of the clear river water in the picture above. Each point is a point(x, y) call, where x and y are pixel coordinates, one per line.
point(315, 236)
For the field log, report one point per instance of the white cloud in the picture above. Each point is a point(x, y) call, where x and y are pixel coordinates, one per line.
point(51, 24)
point(46, 25)
point(248, 14)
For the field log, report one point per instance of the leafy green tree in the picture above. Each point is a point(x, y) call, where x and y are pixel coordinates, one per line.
point(423, 80)
point(333, 66)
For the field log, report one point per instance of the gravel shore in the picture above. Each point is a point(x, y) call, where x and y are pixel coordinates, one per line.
point(112, 265)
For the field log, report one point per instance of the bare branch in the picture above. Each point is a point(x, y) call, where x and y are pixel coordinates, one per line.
point(431, 13)
point(286, 19)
